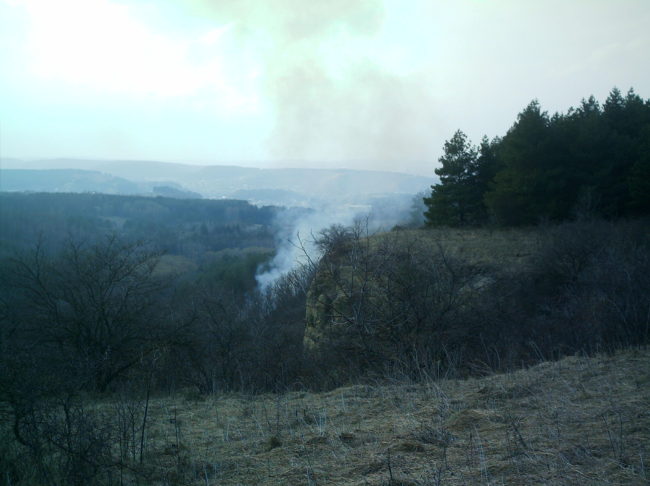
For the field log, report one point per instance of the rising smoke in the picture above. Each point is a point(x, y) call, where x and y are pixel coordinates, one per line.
point(297, 232)
point(295, 239)
point(332, 95)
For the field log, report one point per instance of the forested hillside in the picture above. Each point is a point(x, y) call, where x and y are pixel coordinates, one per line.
point(187, 227)
point(112, 372)
point(592, 160)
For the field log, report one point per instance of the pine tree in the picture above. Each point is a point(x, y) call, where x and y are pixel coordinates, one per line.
point(518, 194)
point(453, 201)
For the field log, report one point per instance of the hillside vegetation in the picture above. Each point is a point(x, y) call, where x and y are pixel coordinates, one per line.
point(575, 421)
point(122, 365)
point(464, 299)
point(187, 227)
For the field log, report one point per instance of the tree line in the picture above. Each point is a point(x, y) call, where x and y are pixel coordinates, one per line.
point(182, 227)
point(591, 160)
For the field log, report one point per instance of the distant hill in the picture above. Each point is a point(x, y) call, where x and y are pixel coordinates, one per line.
point(271, 196)
point(78, 180)
point(65, 180)
point(189, 227)
point(216, 181)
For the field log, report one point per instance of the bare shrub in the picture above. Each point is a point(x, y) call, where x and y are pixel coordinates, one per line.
point(85, 320)
point(248, 342)
point(594, 283)
point(96, 305)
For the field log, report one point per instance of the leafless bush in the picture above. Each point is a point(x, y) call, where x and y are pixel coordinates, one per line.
point(80, 321)
point(64, 442)
point(247, 342)
point(96, 305)
point(594, 283)
point(400, 306)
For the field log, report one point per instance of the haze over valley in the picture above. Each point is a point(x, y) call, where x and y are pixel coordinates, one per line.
point(289, 187)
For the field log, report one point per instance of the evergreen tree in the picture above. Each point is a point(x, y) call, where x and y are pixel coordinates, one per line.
point(584, 136)
point(455, 199)
point(518, 193)
point(626, 119)
point(639, 177)
point(487, 168)
point(592, 160)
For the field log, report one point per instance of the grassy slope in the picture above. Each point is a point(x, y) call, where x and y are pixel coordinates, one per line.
point(502, 248)
point(576, 421)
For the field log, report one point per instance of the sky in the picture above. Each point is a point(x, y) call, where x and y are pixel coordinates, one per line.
point(359, 84)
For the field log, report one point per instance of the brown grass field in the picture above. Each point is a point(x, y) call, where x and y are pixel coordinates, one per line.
point(578, 421)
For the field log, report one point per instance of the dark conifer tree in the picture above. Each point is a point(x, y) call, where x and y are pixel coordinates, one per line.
point(639, 177)
point(518, 192)
point(454, 200)
point(592, 160)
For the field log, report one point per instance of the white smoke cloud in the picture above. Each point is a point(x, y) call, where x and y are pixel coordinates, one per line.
point(296, 234)
point(295, 239)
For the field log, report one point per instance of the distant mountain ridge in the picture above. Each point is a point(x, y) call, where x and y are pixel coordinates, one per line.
point(65, 180)
point(81, 181)
point(213, 181)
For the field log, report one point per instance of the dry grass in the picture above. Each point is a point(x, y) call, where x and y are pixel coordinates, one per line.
point(576, 421)
point(502, 248)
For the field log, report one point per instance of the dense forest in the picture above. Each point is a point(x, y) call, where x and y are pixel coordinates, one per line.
point(187, 227)
point(592, 160)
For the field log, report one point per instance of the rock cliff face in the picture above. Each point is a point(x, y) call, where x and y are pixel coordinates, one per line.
point(320, 301)
point(335, 302)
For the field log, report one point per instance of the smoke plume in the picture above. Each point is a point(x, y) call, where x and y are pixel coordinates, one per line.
point(332, 94)
point(296, 232)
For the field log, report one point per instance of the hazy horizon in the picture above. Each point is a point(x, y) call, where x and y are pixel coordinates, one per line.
point(55, 163)
point(366, 85)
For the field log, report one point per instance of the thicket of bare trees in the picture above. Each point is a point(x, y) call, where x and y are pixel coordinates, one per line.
point(98, 308)
point(247, 342)
point(87, 320)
